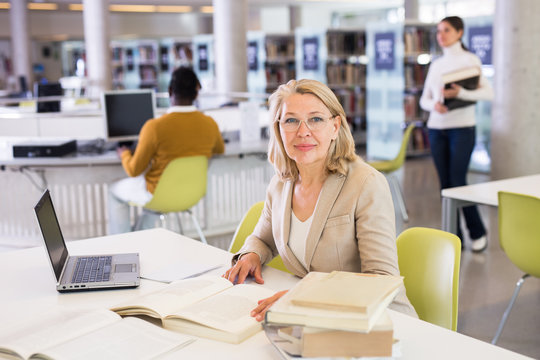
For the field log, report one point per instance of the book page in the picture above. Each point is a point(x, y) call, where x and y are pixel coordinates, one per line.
point(41, 330)
point(130, 338)
point(181, 270)
point(227, 311)
point(174, 297)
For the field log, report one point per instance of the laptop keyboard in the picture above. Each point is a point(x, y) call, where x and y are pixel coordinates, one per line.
point(92, 269)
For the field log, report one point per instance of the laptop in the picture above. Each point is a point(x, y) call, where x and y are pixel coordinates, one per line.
point(76, 273)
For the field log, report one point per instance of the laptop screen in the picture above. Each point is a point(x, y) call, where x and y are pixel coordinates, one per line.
point(52, 235)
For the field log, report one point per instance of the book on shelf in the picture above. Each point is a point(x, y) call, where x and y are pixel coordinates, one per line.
point(337, 300)
point(206, 306)
point(468, 78)
point(315, 342)
point(84, 334)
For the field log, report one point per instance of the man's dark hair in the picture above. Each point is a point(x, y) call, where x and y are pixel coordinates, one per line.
point(184, 84)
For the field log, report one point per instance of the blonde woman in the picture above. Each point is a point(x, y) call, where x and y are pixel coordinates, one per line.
point(325, 208)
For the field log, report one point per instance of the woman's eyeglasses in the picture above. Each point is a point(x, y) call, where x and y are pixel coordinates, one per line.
point(313, 123)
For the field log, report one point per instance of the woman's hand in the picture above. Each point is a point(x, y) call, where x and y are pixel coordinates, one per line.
point(440, 108)
point(452, 92)
point(248, 264)
point(265, 304)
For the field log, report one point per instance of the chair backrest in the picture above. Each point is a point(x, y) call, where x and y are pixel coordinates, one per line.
point(429, 262)
point(181, 185)
point(394, 164)
point(245, 228)
point(519, 230)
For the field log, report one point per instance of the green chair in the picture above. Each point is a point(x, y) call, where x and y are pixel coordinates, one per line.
point(429, 262)
point(519, 237)
point(247, 224)
point(180, 187)
point(388, 167)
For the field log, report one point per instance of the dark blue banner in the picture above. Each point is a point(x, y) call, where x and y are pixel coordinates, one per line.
point(385, 51)
point(481, 43)
point(252, 58)
point(311, 53)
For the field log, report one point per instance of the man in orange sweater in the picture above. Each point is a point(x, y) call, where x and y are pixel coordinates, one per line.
point(182, 131)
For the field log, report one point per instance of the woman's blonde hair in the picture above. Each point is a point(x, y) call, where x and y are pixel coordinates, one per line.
point(341, 149)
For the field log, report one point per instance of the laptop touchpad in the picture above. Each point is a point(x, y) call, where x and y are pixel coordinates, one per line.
point(122, 268)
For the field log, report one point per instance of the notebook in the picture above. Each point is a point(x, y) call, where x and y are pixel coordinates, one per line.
point(88, 272)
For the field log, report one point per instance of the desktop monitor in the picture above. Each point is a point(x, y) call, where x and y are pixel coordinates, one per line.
point(125, 112)
point(49, 89)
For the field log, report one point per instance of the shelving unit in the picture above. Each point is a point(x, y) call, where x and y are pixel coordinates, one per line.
point(280, 63)
point(346, 73)
point(420, 46)
point(337, 58)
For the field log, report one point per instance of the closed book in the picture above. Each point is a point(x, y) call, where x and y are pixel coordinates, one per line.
point(345, 316)
point(314, 342)
point(468, 78)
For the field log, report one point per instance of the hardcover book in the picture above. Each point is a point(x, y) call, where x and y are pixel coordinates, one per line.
point(339, 301)
point(468, 78)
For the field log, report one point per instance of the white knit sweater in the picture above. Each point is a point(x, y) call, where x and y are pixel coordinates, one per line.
point(454, 58)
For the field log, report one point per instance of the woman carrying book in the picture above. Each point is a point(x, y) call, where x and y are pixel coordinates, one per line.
point(325, 208)
point(451, 123)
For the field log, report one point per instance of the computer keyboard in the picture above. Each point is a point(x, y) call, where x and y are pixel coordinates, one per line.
point(92, 269)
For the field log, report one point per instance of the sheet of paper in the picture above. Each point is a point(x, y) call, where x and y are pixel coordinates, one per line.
point(181, 270)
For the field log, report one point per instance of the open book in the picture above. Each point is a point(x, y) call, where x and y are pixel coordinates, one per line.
point(339, 300)
point(468, 78)
point(206, 306)
point(96, 334)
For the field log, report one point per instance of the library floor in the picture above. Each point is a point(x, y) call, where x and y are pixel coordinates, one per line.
point(487, 280)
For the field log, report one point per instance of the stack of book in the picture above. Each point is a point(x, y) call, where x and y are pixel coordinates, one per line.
point(338, 314)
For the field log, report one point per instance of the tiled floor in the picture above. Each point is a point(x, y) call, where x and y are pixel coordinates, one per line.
point(487, 280)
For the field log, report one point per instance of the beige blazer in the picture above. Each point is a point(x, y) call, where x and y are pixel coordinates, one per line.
point(353, 227)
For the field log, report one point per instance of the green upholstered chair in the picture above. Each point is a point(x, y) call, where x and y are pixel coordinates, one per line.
point(519, 237)
point(247, 224)
point(180, 187)
point(388, 167)
point(429, 262)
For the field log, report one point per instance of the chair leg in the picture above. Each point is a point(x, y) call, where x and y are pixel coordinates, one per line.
point(139, 222)
point(508, 308)
point(201, 235)
point(399, 197)
point(179, 223)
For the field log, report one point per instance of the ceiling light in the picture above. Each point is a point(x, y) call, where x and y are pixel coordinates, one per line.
point(207, 9)
point(42, 6)
point(132, 8)
point(4, 5)
point(75, 7)
point(173, 8)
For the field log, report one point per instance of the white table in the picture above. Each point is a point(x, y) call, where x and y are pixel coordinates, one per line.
point(31, 281)
point(483, 194)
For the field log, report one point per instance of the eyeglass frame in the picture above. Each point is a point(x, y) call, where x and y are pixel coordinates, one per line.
point(325, 120)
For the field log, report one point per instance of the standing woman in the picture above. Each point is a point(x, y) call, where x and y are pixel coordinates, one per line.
point(452, 133)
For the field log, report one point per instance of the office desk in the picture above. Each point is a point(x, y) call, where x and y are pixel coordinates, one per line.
point(483, 194)
point(32, 282)
point(236, 180)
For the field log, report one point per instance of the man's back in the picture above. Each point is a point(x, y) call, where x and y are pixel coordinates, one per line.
point(175, 134)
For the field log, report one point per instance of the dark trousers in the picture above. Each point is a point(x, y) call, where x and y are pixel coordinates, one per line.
point(451, 150)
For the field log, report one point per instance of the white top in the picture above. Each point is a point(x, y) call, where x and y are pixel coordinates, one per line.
point(454, 58)
point(181, 109)
point(297, 237)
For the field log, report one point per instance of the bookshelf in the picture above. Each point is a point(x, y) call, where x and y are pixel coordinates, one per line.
point(346, 66)
point(420, 47)
point(280, 64)
point(338, 59)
